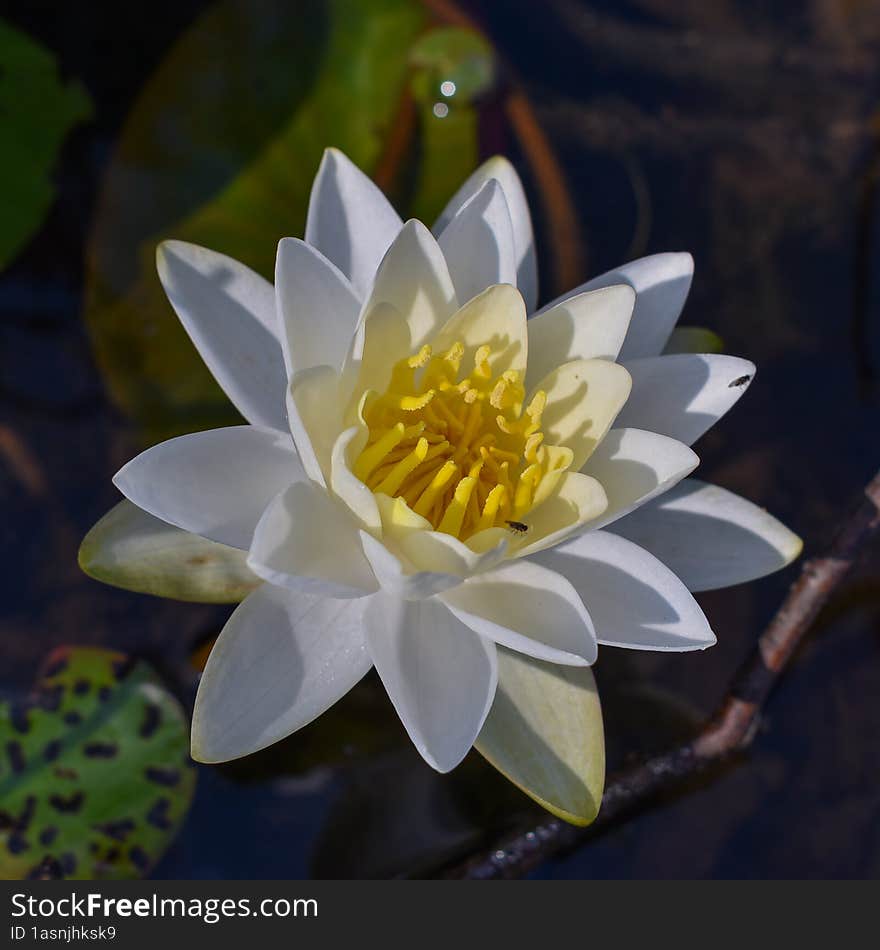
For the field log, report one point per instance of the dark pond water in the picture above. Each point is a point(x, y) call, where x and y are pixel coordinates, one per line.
point(742, 131)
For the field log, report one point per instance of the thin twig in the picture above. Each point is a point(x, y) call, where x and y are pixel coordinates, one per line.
point(732, 727)
point(400, 136)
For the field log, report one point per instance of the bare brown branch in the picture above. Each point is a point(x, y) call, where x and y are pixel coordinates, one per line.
point(732, 727)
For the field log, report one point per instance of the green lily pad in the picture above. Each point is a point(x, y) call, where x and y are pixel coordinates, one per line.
point(694, 340)
point(453, 68)
point(454, 55)
point(38, 111)
point(545, 734)
point(221, 150)
point(96, 777)
point(131, 549)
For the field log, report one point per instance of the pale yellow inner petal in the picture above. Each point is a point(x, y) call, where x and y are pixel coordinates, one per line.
point(583, 399)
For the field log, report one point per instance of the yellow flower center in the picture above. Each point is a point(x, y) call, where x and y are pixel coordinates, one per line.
point(461, 453)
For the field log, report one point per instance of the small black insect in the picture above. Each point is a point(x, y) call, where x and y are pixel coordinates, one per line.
point(739, 381)
point(518, 526)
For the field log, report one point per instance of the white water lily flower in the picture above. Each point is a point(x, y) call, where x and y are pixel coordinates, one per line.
point(426, 474)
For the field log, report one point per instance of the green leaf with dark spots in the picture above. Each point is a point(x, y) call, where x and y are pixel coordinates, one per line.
point(38, 110)
point(95, 774)
point(131, 549)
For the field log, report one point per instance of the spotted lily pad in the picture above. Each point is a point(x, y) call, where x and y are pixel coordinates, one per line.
point(38, 111)
point(545, 733)
point(131, 549)
point(95, 776)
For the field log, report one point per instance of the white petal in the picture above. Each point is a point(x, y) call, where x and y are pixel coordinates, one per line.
point(530, 609)
point(683, 395)
point(661, 283)
point(478, 243)
point(317, 307)
point(400, 578)
point(634, 466)
point(505, 174)
point(440, 676)
point(544, 733)
point(414, 279)
point(347, 486)
point(215, 483)
point(314, 413)
point(350, 221)
point(308, 542)
point(131, 549)
point(281, 660)
point(710, 537)
point(587, 326)
point(634, 600)
point(228, 311)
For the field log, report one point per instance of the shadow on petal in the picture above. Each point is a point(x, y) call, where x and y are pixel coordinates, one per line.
point(710, 537)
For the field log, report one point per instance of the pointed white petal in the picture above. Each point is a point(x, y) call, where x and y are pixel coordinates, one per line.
point(215, 483)
point(440, 676)
point(530, 609)
point(710, 537)
point(307, 541)
point(683, 395)
point(634, 466)
point(401, 578)
point(661, 283)
point(414, 279)
point(228, 311)
point(504, 173)
point(350, 221)
point(478, 243)
point(317, 307)
point(314, 413)
point(545, 734)
point(131, 549)
point(634, 600)
point(281, 660)
point(590, 325)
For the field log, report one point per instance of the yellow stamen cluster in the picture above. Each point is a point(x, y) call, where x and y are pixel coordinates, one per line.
point(460, 452)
